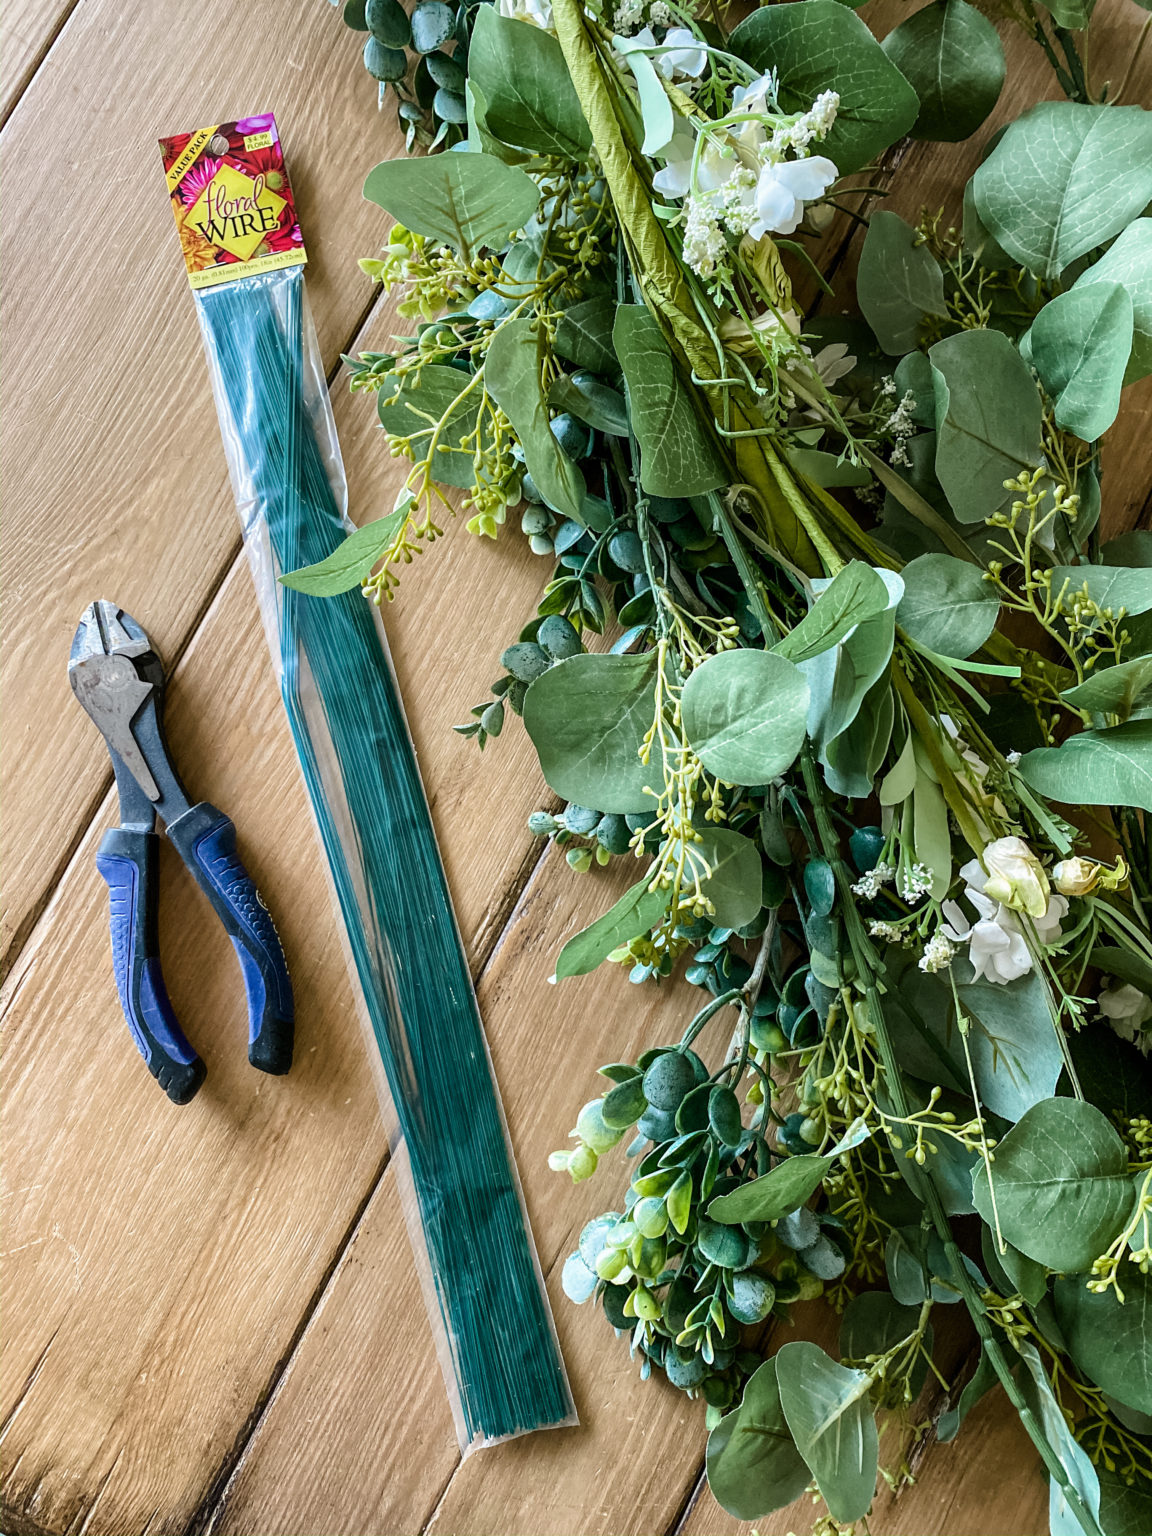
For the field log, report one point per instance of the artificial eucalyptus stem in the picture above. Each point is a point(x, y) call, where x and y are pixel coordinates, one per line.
point(935, 1205)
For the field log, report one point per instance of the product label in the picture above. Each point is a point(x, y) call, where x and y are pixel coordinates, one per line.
point(232, 201)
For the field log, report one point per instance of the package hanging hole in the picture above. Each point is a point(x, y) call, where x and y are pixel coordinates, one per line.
point(483, 1286)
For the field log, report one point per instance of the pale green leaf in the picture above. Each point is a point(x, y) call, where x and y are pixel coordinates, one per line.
point(1109, 586)
point(753, 1464)
point(529, 98)
point(638, 910)
point(349, 563)
point(947, 605)
point(1064, 178)
point(1108, 767)
point(655, 108)
point(512, 376)
point(899, 281)
point(1116, 690)
point(773, 1194)
point(1080, 343)
point(1061, 1182)
point(1128, 260)
point(731, 874)
point(676, 457)
point(468, 202)
point(988, 417)
point(436, 402)
point(744, 714)
point(584, 335)
point(953, 58)
point(587, 717)
point(854, 594)
point(819, 45)
point(829, 1413)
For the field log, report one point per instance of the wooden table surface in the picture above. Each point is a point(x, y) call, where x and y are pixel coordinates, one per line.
point(211, 1320)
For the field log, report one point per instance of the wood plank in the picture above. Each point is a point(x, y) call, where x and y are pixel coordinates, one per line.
point(26, 34)
point(116, 479)
point(366, 1358)
point(159, 1261)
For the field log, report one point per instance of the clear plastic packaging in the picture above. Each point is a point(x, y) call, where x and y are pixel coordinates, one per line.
point(481, 1277)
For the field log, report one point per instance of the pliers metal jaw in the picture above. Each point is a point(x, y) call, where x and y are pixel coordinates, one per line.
point(119, 679)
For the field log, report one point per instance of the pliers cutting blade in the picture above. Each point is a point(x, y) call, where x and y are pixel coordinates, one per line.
point(119, 679)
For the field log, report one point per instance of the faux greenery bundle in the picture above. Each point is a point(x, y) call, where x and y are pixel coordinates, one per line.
point(877, 712)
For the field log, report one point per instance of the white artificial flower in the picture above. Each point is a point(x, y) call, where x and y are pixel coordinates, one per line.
point(997, 948)
point(537, 12)
point(1127, 1010)
point(712, 169)
point(682, 55)
point(1016, 878)
point(754, 97)
point(833, 362)
point(704, 240)
point(784, 188)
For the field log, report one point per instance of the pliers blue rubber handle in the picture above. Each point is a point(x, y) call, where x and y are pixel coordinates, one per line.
point(119, 679)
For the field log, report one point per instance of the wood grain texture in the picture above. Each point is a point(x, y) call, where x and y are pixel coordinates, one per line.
point(26, 34)
point(116, 483)
point(211, 1315)
point(160, 1262)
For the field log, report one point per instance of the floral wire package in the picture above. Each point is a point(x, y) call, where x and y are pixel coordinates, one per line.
point(242, 245)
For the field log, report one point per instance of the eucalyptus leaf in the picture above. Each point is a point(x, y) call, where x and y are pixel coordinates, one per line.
point(1128, 260)
point(1012, 1039)
point(468, 202)
point(731, 875)
point(349, 563)
point(529, 97)
point(1061, 1182)
point(773, 1194)
point(638, 910)
point(1064, 178)
point(854, 594)
point(1108, 767)
point(597, 405)
point(512, 374)
point(830, 1416)
point(744, 715)
point(1118, 690)
point(1125, 1509)
point(1081, 1474)
point(988, 419)
point(584, 335)
point(753, 1464)
point(899, 281)
point(953, 58)
point(839, 678)
point(1080, 343)
point(587, 717)
point(947, 605)
point(1109, 586)
point(820, 45)
point(1109, 1339)
point(428, 404)
point(676, 458)
point(983, 1379)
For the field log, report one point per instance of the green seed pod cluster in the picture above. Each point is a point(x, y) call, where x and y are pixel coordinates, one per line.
point(683, 1282)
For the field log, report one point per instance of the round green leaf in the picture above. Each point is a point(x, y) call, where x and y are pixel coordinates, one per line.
point(899, 280)
point(953, 58)
point(753, 1464)
point(751, 1297)
point(819, 45)
point(725, 1246)
point(947, 605)
point(577, 1280)
point(1128, 260)
point(745, 712)
point(624, 1104)
point(1080, 344)
point(587, 717)
point(388, 21)
point(731, 875)
point(1062, 1186)
point(724, 1115)
point(988, 416)
point(1109, 1340)
point(1064, 178)
point(464, 201)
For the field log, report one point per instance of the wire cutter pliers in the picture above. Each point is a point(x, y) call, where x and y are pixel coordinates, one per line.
point(119, 679)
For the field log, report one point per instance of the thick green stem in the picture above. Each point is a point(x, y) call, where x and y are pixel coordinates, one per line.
point(894, 1082)
point(660, 276)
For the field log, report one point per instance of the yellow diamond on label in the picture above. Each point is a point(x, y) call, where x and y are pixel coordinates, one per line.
point(236, 212)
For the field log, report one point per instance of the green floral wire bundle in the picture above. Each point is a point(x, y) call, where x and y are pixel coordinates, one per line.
point(877, 712)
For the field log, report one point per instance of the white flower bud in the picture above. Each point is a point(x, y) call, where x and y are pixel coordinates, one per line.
point(1016, 878)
